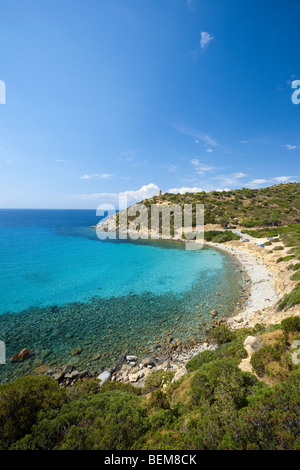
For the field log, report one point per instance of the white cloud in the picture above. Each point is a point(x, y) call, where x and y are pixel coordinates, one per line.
point(209, 150)
point(282, 179)
point(198, 136)
point(206, 38)
point(290, 147)
point(97, 176)
point(231, 180)
point(238, 175)
point(184, 190)
point(62, 161)
point(258, 181)
point(277, 180)
point(144, 192)
point(201, 168)
point(244, 141)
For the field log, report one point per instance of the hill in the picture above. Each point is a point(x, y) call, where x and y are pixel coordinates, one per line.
point(265, 207)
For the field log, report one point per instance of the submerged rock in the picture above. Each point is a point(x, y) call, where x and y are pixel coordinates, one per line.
point(42, 370)
point(76, 351)
point(22, 355)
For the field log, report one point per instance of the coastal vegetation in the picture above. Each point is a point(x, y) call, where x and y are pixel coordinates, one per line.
point(270, 207)
point(215, 405)
point(265, 207)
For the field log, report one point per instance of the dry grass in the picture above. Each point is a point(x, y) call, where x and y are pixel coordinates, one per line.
point(272, 338)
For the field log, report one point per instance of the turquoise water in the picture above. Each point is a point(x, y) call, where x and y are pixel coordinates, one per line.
point(61, 287)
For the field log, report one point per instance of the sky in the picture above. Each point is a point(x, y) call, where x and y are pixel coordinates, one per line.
point(104, 97)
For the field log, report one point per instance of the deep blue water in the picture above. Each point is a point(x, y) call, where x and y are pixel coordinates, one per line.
point(61, 287)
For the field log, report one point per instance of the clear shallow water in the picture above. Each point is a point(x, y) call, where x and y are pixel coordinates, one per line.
point(60, 287)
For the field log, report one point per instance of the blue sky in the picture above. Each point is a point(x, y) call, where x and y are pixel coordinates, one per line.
point(109, 96)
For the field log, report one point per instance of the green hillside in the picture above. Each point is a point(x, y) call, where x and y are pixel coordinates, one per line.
point(214, 406)
point(272, 206)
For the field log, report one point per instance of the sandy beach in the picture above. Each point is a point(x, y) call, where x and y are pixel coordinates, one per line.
point(270, 281)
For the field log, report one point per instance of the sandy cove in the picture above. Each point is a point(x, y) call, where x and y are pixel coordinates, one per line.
point(270, 281)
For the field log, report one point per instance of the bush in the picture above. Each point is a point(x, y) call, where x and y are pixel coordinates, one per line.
point(291, 299)
point(261, 358)
point(270, 422)
point(21, 402)
point(296, 276)
point(285, 258)
point(158, 379)
point(197, 361)
point(222, 384)
point(216, 236)
point(159, 400)
point(120, 387)
point(106, 421)
point(291, 325)
point(222, 334)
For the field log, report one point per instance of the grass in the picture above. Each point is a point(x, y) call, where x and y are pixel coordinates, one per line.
point(291, 299)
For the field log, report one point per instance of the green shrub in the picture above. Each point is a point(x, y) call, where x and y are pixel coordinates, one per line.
point(261, 358)
point(197, 361)
point(217, 236)
point(285, 258)
point(221, 335)
point(291, 325)
point(106, 421)
point(221, 384)
point(79, 389)
point(291, 299)
point(295, 276)
point(201, 387)
point(270, 422)
point(259, 327)
point(21, 402)
point(159, 400)
point(111, 386)
point(158, 379)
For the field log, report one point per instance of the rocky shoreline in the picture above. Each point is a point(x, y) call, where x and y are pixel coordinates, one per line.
point(259, 298)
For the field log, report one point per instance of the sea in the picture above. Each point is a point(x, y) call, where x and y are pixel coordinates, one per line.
point(75, 299)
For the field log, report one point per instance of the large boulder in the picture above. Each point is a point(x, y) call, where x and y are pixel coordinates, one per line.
point(252, 344)
point(131, 358)
point(104, 377)
point(179, 373)
point(148, 361)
